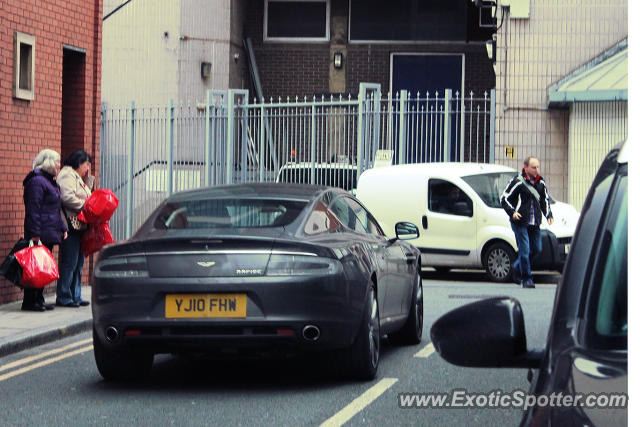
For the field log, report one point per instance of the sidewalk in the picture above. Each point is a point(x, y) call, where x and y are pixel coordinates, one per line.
point(24, 329)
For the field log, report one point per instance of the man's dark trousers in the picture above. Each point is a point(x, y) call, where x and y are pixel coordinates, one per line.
point(529, 244)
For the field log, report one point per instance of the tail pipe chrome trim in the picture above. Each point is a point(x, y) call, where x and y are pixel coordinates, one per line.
point(111, 333)
point(311, 333)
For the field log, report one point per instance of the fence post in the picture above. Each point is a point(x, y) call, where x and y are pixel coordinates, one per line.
point(313, 143)
point(208, 140)
point(492, 127)
point(447, 125)
point(244, 162)
point(261, 160)
point(402, 132)
point(462, 127)
point(170, 147)
point(361, 105)
point(229, 150)
point(130, 150)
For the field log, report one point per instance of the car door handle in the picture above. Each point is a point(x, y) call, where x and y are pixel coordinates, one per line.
point(410, 259)
point(425, 222)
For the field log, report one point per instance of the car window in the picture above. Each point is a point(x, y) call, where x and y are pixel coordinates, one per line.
point(321, 220)
point(364, 217)
point(346, 215)
point(227, 213)
point(489, 186)
point(608, 315)
point(447, 198)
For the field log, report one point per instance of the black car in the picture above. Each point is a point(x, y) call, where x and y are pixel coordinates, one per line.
point(586, 350)
point(283, 268)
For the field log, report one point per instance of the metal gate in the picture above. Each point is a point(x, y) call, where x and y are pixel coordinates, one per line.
point(147, 153)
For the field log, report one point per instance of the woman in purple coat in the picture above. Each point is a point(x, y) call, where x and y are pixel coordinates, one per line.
point(43, 218)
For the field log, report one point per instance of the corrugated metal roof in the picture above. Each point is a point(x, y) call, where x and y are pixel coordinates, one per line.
point(602, 79)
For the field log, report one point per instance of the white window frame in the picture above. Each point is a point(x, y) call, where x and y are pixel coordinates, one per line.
point(296, 39)
point(23, 39)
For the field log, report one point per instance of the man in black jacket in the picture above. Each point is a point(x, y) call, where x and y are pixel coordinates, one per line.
point(525, 200)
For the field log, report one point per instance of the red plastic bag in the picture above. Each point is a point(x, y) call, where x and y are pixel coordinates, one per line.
point(38, 266)
point(96, 237)
point(99, 207)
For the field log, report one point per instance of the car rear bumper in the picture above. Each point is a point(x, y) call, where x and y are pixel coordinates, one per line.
point(277, 311)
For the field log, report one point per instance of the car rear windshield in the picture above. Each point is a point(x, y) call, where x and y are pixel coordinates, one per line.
point(489, 186)
point(227, 213)
point(337, 176)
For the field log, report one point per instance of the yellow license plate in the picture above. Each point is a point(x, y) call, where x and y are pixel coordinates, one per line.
point(205, 305)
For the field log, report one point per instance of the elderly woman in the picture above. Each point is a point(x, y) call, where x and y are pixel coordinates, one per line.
point(42, 219)
point(76, 182)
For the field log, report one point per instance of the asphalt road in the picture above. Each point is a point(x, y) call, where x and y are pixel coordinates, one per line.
point(58, 384)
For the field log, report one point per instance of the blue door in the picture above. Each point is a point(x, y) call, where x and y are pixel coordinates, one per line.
point(424, 121)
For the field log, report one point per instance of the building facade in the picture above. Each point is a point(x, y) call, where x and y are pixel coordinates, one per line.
point(538, 44)
point(50, 96)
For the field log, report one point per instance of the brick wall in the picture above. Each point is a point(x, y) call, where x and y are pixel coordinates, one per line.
point(290, 69)
point(26, 127)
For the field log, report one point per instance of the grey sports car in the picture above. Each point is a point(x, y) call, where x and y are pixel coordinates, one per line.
point(270, 267)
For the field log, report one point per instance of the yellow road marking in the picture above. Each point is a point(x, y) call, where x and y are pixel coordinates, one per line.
point(360, 403)
point(43, 355)
point(426, 351)
point(45, 362)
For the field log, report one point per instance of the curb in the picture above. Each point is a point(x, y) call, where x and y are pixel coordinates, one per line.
point(44, 337)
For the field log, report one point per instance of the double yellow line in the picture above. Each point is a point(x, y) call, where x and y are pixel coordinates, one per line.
point(67, 351)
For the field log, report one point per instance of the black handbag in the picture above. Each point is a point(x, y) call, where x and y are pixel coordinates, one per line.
point(10, 267)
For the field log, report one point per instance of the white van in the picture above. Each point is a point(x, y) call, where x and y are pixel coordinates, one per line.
point(458, 208)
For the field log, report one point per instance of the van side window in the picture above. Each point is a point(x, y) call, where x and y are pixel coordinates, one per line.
point(447, 198)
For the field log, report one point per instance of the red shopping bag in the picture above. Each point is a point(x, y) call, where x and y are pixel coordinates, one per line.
point(96, 237)
point(99, 207)
point(38, 266)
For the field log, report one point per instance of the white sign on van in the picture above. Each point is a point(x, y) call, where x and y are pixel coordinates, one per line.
point(383, 158)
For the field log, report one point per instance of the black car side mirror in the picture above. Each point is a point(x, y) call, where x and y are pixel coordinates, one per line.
point(406, 231)
point(485, 334)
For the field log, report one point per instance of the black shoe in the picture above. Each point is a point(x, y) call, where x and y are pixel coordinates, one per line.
point(48, 306)
point(33, 307)
point(84, 303)
point(528, 284)
point(69, 304)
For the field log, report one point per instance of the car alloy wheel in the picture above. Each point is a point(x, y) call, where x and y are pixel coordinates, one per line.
point(374, 332)
point(499, 262)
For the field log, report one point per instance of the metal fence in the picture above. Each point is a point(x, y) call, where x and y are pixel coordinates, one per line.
point(148, 153)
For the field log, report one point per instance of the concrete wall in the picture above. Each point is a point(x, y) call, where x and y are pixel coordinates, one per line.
point(594, 129)
point(532, 54)
point(26, 127)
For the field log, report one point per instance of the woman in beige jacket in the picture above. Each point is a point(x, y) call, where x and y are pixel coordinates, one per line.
point(75, 182)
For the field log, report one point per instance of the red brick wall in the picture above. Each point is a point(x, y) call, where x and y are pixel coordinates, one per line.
point(290, 69)
point(26, 127)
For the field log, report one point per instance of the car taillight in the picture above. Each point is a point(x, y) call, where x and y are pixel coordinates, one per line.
point(133, 266)
point(301, 265)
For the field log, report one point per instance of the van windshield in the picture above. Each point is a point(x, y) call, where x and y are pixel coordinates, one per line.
point(489, 186)
point(332, 176)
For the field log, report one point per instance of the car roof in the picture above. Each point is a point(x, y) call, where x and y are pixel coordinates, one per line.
point(267, 190)
point(443, 168)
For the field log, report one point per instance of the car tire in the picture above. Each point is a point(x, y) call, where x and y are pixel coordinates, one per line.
point(363, 357)
point(498, 262)
point(120, 365)
point(411, 332)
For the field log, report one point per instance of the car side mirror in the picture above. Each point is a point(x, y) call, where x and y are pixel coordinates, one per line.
point(406, 231)
point(485, 334)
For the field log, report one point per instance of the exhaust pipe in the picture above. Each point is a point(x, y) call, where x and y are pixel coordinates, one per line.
point(111, 333)
point(311, 333)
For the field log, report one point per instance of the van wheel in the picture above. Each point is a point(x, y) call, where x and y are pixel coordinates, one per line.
point(498, 261)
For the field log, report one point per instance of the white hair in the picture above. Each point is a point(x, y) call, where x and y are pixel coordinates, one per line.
point(46, 160)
